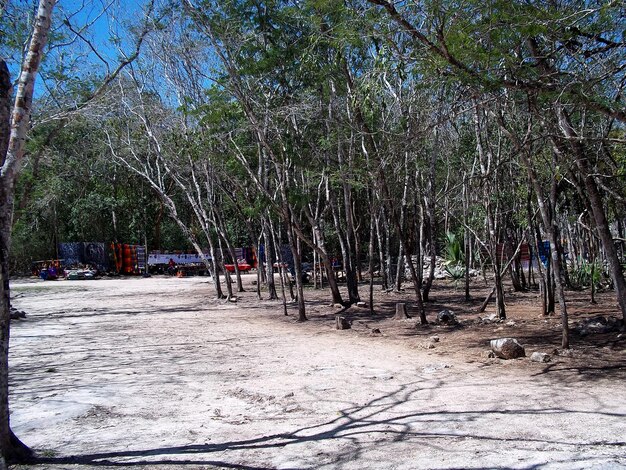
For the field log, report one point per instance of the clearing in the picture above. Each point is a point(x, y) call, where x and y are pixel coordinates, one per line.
point(154, 373)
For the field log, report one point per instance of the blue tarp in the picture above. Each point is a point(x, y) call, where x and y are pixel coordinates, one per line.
point(91, 253)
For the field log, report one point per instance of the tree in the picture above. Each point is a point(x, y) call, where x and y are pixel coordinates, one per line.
point(569, 62)
point(15, 126)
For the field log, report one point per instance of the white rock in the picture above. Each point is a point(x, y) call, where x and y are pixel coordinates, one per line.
point(507, 348)
point(540, 357)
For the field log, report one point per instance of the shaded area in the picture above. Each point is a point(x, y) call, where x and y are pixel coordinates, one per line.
point(381, 420)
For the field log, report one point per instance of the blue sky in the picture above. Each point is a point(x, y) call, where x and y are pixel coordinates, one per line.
point(85, 34)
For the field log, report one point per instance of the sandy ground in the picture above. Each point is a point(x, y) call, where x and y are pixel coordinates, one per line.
point(154, 373)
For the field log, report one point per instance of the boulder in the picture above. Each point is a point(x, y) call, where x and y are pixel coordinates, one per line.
point(598, 324)
point(447, 317)
point(507, 348)
point(540, 357)
point(16, 314)
point(566, 352)
point(489, 319)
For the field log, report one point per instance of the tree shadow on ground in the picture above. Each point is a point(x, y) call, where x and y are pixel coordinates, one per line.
point(382, 417)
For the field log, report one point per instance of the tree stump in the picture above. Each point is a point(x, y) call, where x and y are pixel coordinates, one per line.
point(342, 323)
point(401, 312)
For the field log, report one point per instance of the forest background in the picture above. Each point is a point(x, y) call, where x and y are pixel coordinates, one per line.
point(330, 127)
point(362, 130)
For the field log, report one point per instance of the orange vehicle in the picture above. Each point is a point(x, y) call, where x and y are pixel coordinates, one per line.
point(243, 267)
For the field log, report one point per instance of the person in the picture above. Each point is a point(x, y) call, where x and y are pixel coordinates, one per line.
point(52, 272)
point(171, 267)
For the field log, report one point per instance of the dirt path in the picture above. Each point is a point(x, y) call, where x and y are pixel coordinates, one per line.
point(151, 373)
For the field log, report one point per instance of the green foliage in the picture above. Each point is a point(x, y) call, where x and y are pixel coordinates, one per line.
point(72, 191)
point(454, 249)
point(586, 274)
point(454, 257)
point(327, 97)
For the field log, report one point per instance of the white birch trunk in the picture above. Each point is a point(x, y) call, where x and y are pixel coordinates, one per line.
point(11, 448)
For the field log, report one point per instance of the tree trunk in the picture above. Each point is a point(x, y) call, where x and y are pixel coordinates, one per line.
point(404, 245)
point(281, 269)
point(430, 205)
point(219, 227)
point(12, 148)
point(227, 279)
point(269, 260)
point(543, 286)
point(554, 266)
point(344, 238)
point(466, 240)
point(350, 258)
point(599, 214)
point(322, 252)
point(417, 284)
point(13, 450)
point(381, 255)
point(5, 109)
point(399, 269)
point(371, 255)
point(297, 265)
point(259, 268)
point(493, 248)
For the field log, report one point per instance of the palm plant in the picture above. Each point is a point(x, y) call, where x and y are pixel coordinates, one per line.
point(454, 262)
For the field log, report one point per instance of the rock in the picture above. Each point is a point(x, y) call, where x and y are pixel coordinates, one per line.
point(434, 339)
point(375, 332)
point(432, 368)
point(447, 317)
point(489, 354)
point(491, 318)
point(507, 348)
point(337, 306)
point(438, 274)
point(510, 323)
point(598, 324)
point(16, 314)
point(342, 323)
point(566, 352)
point(361, 304)
point(401, 312)
point(540, 357)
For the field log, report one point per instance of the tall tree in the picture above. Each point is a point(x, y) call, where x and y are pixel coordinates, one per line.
point(13, 132)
